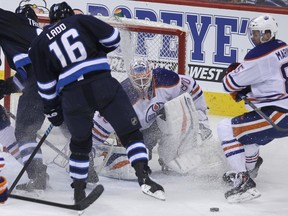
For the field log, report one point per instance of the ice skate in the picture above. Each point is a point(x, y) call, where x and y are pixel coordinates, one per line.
point(147, 185)
point(229, 177)
point(38, 182)
point(79, 186)
point(244, 189)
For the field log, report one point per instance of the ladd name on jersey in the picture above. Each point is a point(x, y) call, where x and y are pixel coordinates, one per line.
point(55, 31)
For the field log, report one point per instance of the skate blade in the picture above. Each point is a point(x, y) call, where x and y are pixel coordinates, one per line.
point(250, 194)
point(157, 194)
point(80, 212)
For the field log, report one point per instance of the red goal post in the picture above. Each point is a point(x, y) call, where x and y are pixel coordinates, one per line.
point(162, 45)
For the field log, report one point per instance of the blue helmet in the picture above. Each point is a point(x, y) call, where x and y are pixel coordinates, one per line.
point(60, 11)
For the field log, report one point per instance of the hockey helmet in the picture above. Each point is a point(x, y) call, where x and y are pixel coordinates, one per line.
point(28, 11)
point(260, 25)
point(60, 11)
point(140, 75)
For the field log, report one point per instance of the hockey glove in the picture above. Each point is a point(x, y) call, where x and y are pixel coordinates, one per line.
point(232, 67)
point(237, 96)
point(3, 190)
point(55, 116)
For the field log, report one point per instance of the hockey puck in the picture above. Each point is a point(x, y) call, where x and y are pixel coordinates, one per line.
point(214, 209)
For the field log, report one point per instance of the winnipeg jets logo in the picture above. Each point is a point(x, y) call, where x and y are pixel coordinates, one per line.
point(153, 110)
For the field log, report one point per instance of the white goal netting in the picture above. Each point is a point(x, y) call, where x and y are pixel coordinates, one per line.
point(162, 45)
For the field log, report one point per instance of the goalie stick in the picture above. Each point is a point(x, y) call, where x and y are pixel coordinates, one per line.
point(83, 204)
point(263, 115)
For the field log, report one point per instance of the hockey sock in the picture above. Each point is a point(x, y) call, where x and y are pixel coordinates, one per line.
point(8, 140)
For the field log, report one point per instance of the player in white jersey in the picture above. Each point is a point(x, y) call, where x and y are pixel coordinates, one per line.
point(148, 91)
point(262, 76)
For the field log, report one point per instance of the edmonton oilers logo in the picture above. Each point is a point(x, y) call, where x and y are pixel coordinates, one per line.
point(152, 111)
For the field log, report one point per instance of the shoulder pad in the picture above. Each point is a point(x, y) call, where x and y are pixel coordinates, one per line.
point(165, 78)
point(264, 49)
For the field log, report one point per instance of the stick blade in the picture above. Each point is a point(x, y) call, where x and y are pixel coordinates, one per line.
point(90, 199)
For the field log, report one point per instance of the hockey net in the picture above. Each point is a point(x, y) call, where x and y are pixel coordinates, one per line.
point(162, 45)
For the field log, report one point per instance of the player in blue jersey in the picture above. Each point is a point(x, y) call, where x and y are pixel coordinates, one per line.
point(262, 77)
point(74, 80)
point(17, 32)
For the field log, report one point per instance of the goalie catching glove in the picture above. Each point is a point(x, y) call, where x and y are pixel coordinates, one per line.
point(237, 96)
point(147, 185)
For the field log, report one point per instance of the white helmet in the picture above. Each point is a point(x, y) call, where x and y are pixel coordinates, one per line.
point(140, 75)
point(263, 23)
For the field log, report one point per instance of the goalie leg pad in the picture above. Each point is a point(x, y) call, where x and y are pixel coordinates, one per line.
point(185, 162)
point(117, 165)
point(181, 134)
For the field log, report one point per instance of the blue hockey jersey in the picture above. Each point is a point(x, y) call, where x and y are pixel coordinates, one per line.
point(16, 35)
point(67, 50)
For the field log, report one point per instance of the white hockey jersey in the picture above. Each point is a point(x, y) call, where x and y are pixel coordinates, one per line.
point(265, 70)
point(166, 85)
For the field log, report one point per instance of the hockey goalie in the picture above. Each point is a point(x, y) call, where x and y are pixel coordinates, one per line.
point(176, 133)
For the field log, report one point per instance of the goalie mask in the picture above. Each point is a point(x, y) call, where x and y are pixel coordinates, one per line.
point(140, 76)
point(60, 11)
point(261, 25)
point(27, 11)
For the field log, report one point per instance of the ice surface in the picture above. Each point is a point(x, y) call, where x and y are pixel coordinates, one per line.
point(185, 195)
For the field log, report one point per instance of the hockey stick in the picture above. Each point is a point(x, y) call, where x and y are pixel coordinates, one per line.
point(83, 204)
point(30, 159)
point(263, 115)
